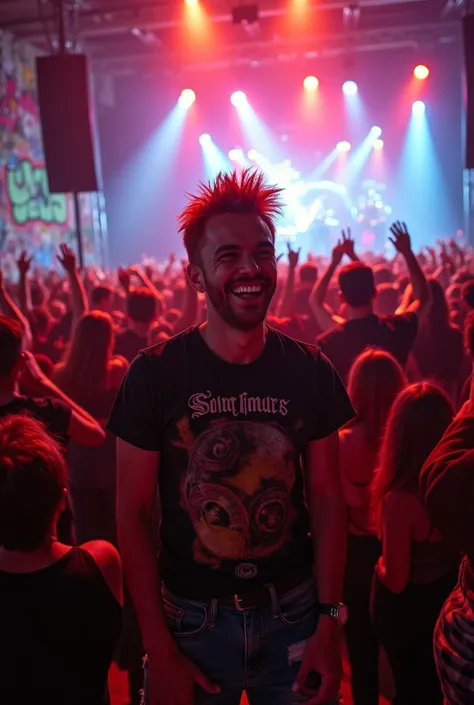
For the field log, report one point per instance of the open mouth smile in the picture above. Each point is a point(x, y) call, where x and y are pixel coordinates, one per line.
point(247, 290)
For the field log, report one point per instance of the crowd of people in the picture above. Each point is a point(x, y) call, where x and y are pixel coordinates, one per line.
point(268, 469)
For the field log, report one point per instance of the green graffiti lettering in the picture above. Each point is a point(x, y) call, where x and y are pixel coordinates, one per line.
point(29, 196)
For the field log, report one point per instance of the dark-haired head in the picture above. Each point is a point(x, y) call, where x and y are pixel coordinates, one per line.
point(357, 284)
point(416, 423)
point(375, 379)
point(102, 298)
point(229, 234)
point(32, 483)
point(142, 306)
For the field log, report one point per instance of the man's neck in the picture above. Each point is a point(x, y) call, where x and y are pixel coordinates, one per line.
point(360, 312)
point(233, 345)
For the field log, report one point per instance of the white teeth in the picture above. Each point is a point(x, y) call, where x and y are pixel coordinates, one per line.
point(247, 290)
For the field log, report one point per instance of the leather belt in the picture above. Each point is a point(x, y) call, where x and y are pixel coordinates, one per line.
point(259, 595)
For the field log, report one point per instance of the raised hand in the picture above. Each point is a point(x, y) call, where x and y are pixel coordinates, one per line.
point(32, 375)
point(123, 275)
point(401, 238)
point(293, 256)
point(348, 244)
point(337, 254)
point(24, 263)
point(67, 258)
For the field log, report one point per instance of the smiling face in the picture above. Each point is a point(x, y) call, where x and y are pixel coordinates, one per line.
point(238, 270)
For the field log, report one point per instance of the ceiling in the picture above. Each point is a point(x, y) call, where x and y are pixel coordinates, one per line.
point(121, 36)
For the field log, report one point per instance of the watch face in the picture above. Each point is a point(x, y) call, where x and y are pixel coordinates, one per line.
point(342, 614)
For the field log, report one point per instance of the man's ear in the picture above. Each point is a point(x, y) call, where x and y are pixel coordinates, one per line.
point(341, 296)
point(196, 278)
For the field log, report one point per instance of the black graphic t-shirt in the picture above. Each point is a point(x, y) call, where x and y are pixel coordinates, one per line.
point(231, 439)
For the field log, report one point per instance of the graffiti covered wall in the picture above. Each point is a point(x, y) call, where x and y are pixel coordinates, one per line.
point(30, 217)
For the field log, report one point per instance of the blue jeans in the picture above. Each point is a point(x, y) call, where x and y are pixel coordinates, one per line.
point(259, 650)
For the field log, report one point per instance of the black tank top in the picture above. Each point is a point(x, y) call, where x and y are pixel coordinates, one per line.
point(58, 631)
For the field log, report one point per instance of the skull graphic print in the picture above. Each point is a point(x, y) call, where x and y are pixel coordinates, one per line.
point(238, 489)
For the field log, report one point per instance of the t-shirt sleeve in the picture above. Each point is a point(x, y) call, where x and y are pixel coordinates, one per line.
point(136, 415)
point(330, 401)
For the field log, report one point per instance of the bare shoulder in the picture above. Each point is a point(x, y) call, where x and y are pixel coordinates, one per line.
point(109, 563)
point(117, 369)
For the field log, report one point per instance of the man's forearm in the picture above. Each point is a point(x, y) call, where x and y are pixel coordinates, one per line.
point(329, 535)
point(78, 295)
point(49, 389)
point(421, 290)
point(320, 288)
point(138, 548)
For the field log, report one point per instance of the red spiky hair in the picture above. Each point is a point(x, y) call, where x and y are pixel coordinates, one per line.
point(244, 192)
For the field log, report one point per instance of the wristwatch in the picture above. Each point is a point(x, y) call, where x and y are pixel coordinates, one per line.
point(338, 612)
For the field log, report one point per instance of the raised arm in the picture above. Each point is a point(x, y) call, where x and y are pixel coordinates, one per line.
point(421, 291)
point(325, 317)
point(148, 284)
point(24, 294)
point(286, 307)
point(83, 428)
point(80, 305)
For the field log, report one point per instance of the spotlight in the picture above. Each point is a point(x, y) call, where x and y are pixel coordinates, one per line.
point(187, 97)
point(238, 99)
point(344, 146)
point(191, 2)
point(421, 72)
point(252, 155)
point(350, 88)
point(236, 155)
point(205, 140)
point(375, 132)
point(378, 144)
point(311, 83)
point(418, 107)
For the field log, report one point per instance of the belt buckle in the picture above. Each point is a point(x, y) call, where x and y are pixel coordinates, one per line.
point(238, 603)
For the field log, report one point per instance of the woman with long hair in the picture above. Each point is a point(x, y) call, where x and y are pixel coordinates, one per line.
point(61, 605)
point(375, 379)
point(416, 571)
point(91, 375)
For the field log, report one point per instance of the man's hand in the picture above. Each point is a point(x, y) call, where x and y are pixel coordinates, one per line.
point(401, 238)
point(293, 256)
point(348, 244)
point(24, 263)
point(67, 258)
point(321, 661)
point(123, 275)
point(337, 254)
point(172, 679)
point(32, 375)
